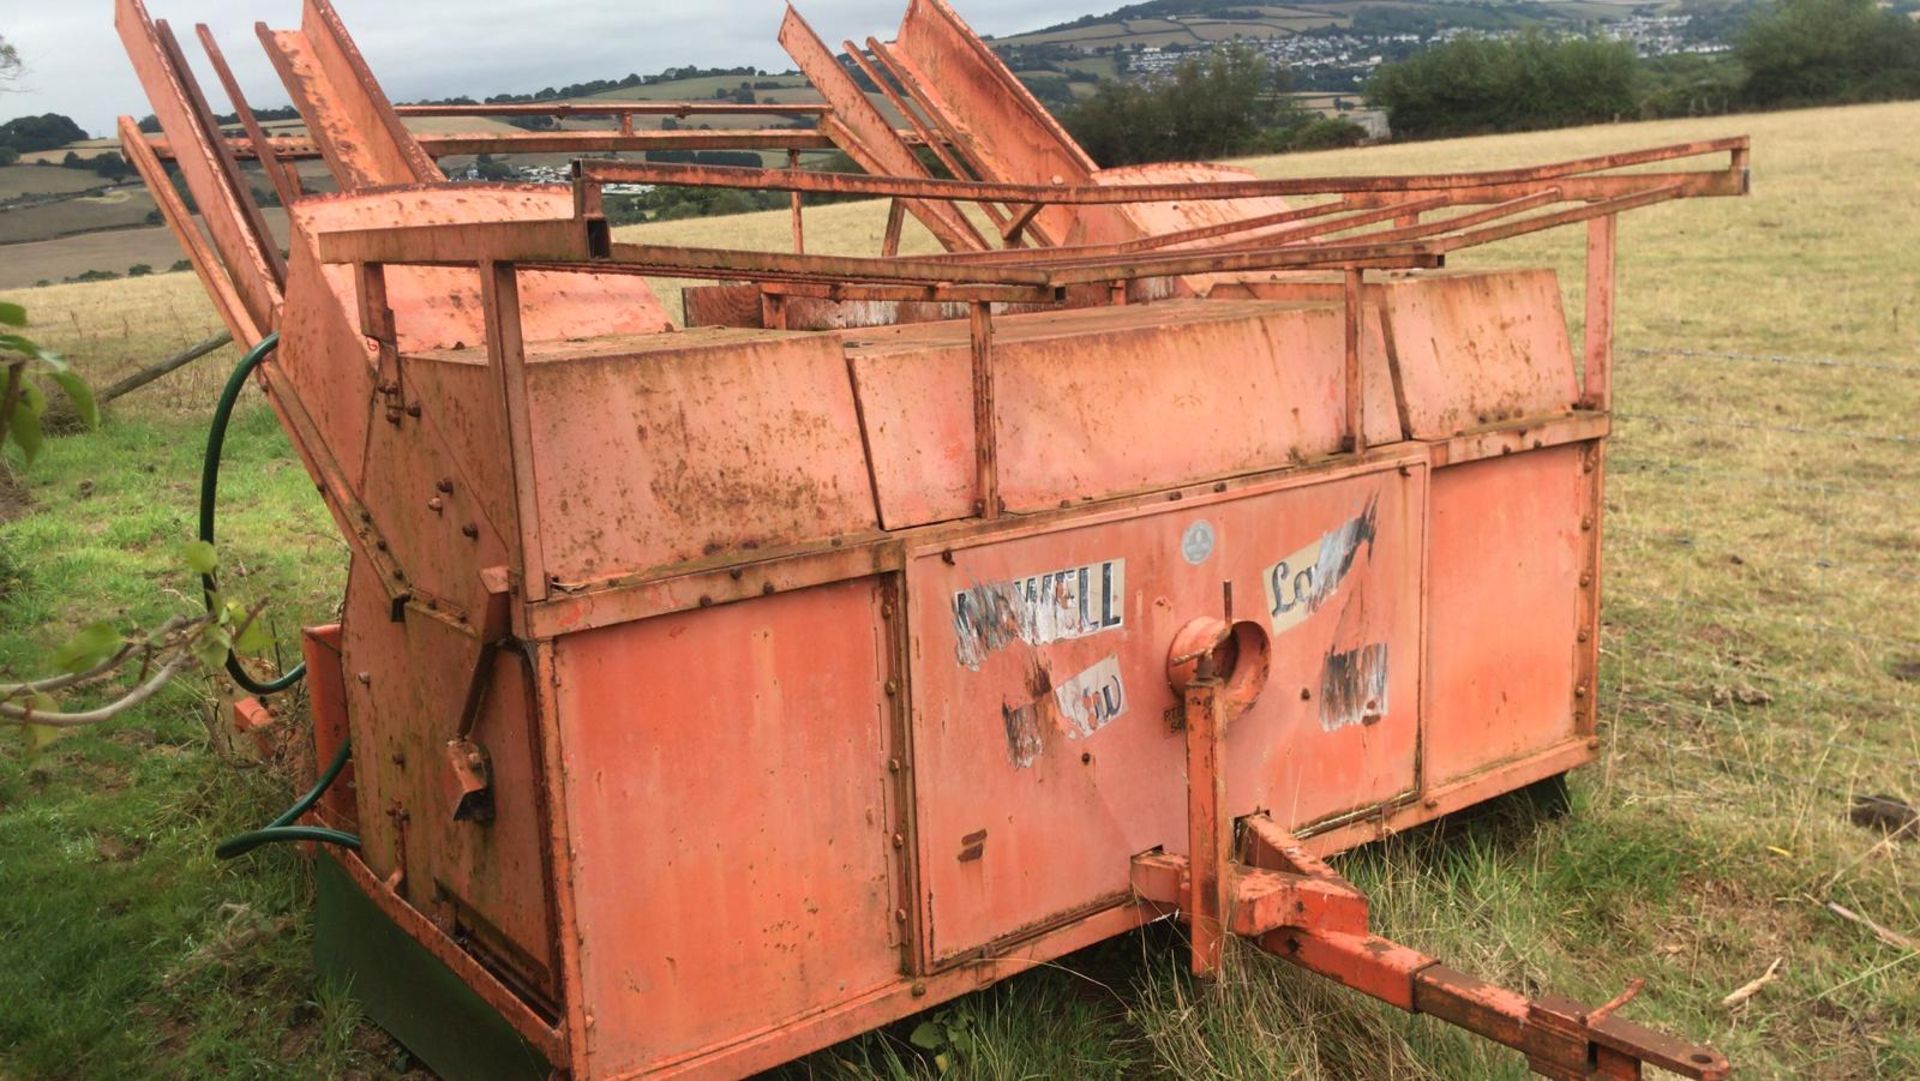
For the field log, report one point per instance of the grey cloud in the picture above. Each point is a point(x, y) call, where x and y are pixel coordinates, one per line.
point(441, 48)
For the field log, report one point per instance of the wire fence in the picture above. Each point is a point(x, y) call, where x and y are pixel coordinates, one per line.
point(1762, 554)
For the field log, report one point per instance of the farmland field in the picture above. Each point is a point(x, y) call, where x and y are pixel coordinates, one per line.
point(1761, 666)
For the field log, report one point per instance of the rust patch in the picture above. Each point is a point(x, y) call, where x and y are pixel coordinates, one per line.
point(1353, 687)
point(972, 845)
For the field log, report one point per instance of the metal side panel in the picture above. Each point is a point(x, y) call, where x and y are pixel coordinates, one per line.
point(729, 813)
point(1044, 747)
point(1504, 609)
point(690, 445)
point(1475, 349)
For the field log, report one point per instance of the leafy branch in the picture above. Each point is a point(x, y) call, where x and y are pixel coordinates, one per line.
point(138, 663)
point(22, 403)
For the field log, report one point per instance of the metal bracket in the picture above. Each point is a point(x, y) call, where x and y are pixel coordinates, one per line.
point(1292, 904)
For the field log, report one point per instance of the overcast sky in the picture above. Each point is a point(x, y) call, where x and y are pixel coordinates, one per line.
point(442, 48)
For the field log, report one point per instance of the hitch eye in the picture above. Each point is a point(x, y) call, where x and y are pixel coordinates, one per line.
point(1236, 654)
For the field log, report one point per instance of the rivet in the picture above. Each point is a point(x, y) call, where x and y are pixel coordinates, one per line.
point(886, 611)
point(1586, 580)
point(1220, 486)
point(414, 410)
point(1593, 744)
point(470, 530)
point(766, 589)
point(1580, 691)
point(919, 990)
point(1086, 758)
point(380, 544)
point(947, 557)
point(1586, 523)
point(445, 485)
point(364, 677)
point(1306, 694)
point(436, 504)
point(899, 915)
point(893, 765)
point(1584, 634)
point(899, 841)
point(736, 573)
point(706, 601)
point(1431, 802)
point(893, 687)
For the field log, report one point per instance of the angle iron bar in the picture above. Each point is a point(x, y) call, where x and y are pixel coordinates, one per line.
point(993, 210)
point(634, 108)
point(599, 171)
point(1489, 233)
point(269, 164)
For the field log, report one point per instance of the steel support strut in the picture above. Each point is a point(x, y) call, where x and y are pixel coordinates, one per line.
point(1294, 905)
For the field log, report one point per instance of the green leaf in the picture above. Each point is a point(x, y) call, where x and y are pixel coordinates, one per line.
point(212, 647)
point(39, 735)
point(942, 1063)
point(25, 425)
point(94, 643)
point(255, 638)
point(12, 315)
point(80, 394)
point(927, 1036)
point(200, 556)
point(15, 343)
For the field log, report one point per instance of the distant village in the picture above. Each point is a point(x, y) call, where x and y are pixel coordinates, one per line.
point(1342, 59)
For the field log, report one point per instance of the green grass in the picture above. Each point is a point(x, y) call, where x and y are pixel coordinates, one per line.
point(1763, 568)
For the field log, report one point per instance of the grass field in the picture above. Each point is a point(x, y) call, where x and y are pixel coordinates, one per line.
point(1761, 666)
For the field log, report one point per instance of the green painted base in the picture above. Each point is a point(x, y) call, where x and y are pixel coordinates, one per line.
point(409, 992)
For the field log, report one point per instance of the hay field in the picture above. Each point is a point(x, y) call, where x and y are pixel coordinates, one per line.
point(1761, 666)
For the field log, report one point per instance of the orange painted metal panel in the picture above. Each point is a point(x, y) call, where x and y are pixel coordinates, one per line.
point(727, 799)
point(407, 684)
point(1475, 349)
point(1039, 676)
point(1504, 588)
point(689, 446)
point(1100, 401)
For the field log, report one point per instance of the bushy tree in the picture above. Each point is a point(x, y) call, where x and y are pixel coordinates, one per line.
point(1476, 84)
point(1231, 101)
point(44, 132)
point(1807, 52)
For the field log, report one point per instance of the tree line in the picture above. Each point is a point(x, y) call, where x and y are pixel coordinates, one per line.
point(1793, 53)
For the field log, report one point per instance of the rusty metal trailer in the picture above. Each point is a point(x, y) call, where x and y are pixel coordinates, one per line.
point(893, 623)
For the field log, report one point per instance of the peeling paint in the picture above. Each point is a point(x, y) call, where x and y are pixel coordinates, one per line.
point(1353, 687)
point(1298, 585)
point(1053, 606)
point(1078, 707)
point(1023, 733)
point(1091, 700)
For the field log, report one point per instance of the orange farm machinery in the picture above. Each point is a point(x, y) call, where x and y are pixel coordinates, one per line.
point(711, 689)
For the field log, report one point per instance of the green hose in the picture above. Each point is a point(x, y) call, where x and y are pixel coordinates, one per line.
point(209, 496)
point(282, 828)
